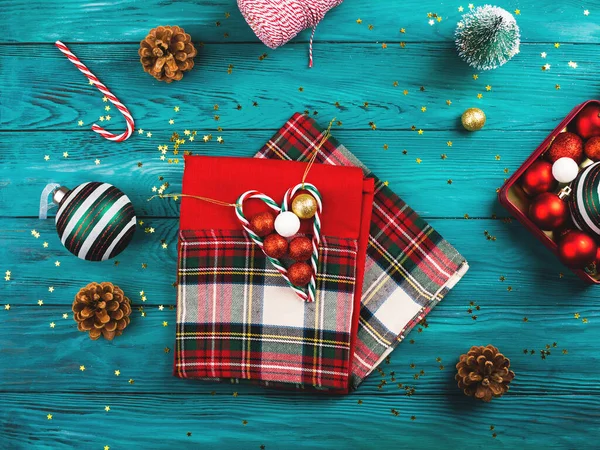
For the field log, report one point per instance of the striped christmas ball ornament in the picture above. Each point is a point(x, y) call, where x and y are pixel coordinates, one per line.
point(584, 201)
point(95, 221)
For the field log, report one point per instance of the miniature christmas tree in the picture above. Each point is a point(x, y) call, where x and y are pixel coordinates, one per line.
point(487, 37)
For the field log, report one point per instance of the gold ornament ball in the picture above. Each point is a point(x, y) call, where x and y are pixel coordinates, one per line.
point(473, 119)
point(304, 206)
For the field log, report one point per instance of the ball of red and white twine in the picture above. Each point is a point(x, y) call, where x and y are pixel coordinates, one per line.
point(276, 22)
point(109, 95)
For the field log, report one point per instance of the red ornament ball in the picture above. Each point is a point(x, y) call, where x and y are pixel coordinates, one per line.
point(548, 211)
point(538, 178)
point(263, 223)
point(577, 249)
point(275, 245)
point(587, 122)
point(566, 145)
point(592, 148)
point(299, 273)
point(300, 248)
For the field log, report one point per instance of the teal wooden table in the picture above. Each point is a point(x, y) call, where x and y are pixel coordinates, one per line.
point(381, 69)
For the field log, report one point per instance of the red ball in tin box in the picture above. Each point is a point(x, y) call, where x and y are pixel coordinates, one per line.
point(548, 211)
point(592, 148)
point(567, 145)
point(587, 122)
point(538, 178)
point(275, 245)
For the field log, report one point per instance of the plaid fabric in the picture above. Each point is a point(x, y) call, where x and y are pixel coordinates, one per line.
point(237, 318)
point(409, 268)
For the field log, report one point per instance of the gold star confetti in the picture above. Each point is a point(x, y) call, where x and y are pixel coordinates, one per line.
point(419, 160)
point(517, 12)
point(576, 315)
point(405, 91)
point(475, 76)
point(49, 416)
point(448, 102)
point(107, 408)
point(106, 447)
point(167, 350)
point(165, 323)
point(471, 6)
point(80, 123)
point(52, 324)
point(480, 96)
point(244, 422)
point(108, 117)
point(65, 154)
point(51, 289)
point(557, 86)
point(584, 320)
point(161, 307)
point(443, 156)
point(449, 143)
point(420, 131)
point(47, 157)
point(82, 368)
point(35, 234)
point(144, 266)
point(105, 99)
point(546, 67)
point(131, 381)
point(359, 21)
point(488, 88)
point(423, 108)
point(40, 302)
point(176, 109)
point(220, 140)
point(449, 182)
point(45, 245)
point(371, 27)
point(149, 134)
point(431, 22)
point(385, 146)
point(171, 121)
point(117, 372)
point(586, 12)
point(543, 54)
point(386, 183)
point(101, 118)
point(497, 157)
point(57, 263)
point(65, 316)
point(461, 9)
point(7, 307)
point(573, 64)
point(97, 161)
point(556, 44)
point(141, 131)
point(107, 108)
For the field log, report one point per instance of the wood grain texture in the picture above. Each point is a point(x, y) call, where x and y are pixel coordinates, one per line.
point(43, 91)
point(553, 402)
point(95, 22)
point(162, 421)
point(119, 165)
point(532, 273)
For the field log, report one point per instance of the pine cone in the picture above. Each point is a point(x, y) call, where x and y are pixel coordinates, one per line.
point(101, 309)
point(484, 373)
point(167, 52)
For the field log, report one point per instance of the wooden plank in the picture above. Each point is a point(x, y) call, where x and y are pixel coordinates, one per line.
point(526, 264)
point(70, 21)
point(139, 354)
point(43, 91)
point(24, 171)
point(163, 421)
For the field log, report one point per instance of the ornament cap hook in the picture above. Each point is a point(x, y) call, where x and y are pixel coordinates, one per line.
point(59, 194)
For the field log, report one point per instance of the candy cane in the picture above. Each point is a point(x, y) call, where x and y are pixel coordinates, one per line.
point(114, 100)
point(259, 241)
point(314, 259)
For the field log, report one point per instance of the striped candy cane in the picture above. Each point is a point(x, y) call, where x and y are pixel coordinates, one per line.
point(114, 100)
point(239, 211)
point(316, 240)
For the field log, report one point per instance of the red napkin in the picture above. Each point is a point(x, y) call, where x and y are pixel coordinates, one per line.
point(214, 339)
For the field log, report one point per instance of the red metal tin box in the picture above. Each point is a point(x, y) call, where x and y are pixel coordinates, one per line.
point(514, 199)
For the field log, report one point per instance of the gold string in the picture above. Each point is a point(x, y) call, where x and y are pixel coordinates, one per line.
point(311, 161)
point(197, 197)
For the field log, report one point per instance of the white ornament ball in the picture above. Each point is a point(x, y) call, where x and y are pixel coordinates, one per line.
point(565, 170)
point(287, 224)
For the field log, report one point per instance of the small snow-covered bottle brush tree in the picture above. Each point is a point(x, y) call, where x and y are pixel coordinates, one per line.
point(487, 37)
